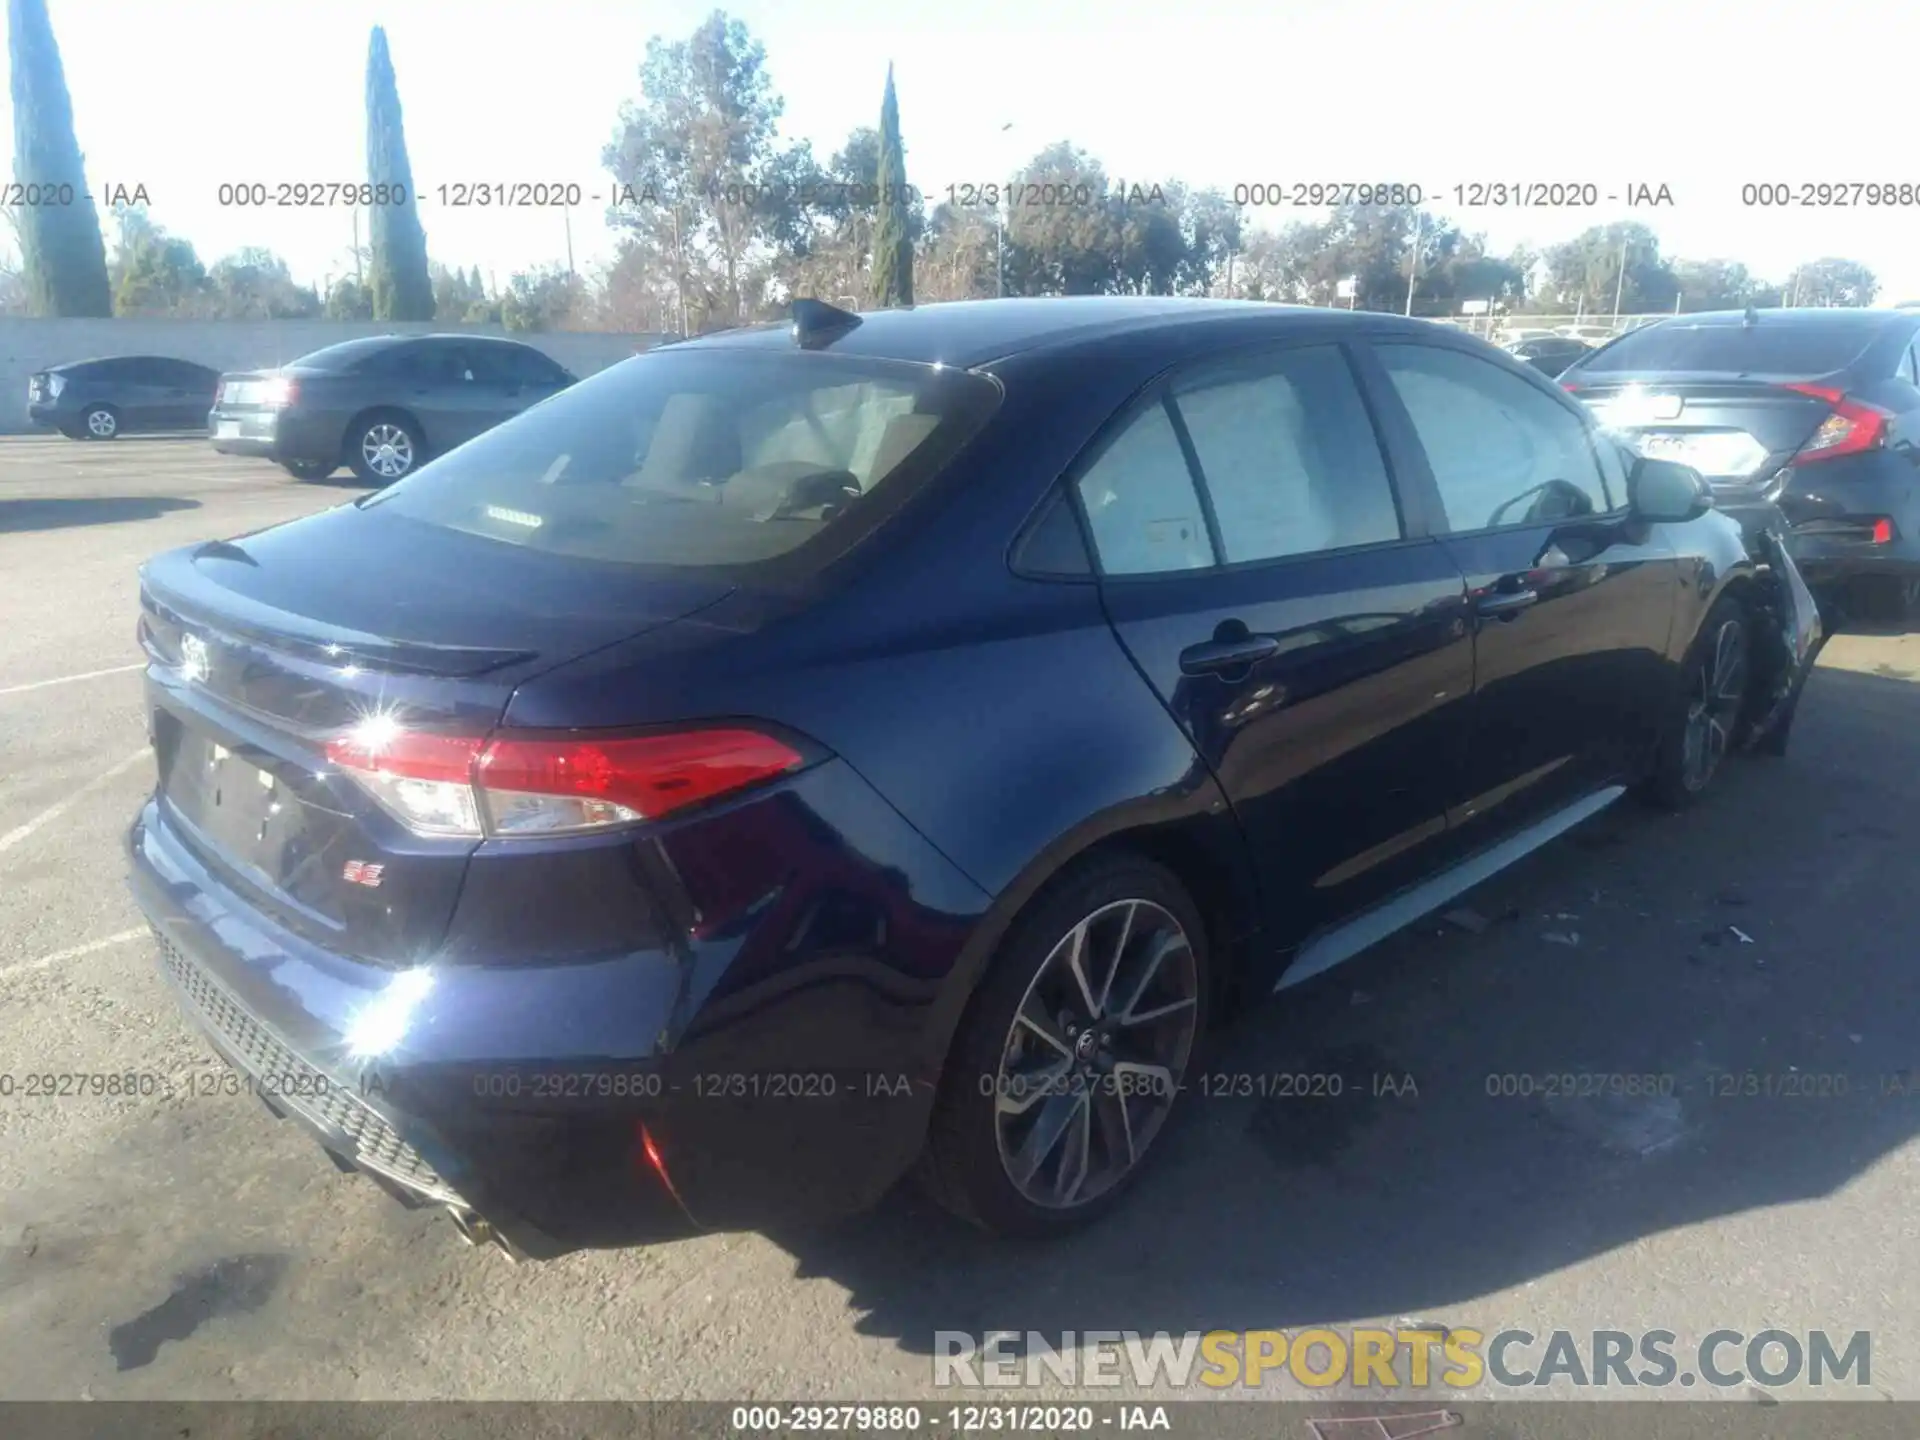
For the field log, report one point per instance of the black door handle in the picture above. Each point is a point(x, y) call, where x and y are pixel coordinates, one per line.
point(1505, 604)
point(1217, 655)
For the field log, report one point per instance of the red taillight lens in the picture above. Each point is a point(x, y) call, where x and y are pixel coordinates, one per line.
point(547, 785)
point(279, 391)
point(1883, 531)
point(448, 785)
point(1853, 427)
point(1570, 387)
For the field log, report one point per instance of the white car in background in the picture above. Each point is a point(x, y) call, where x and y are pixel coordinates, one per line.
point(1592, 334)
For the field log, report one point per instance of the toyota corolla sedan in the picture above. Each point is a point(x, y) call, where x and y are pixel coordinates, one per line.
point(879, 744)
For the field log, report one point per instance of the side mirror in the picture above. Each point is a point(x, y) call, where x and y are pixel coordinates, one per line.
point(1666, 492)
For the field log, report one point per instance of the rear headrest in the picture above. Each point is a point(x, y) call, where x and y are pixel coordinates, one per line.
point(904, 434)
point(692, 441)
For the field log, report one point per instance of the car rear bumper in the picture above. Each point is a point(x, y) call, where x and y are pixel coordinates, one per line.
point(51, 415)
point(734, 1101)
point(1830, 508)
point(280, 435)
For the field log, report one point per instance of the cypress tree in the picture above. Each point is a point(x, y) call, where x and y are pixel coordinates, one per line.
point(892, 244)
point(398, 277)
point(63, 254)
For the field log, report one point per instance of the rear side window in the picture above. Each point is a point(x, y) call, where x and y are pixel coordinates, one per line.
point(1502, 452)
point(1796, 347)
point(1288, 455)
point(349, 354)
point(706, 459)
point(527, 366)
point(1141, 503)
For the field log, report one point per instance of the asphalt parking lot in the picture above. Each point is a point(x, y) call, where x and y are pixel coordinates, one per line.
point(193, 1248)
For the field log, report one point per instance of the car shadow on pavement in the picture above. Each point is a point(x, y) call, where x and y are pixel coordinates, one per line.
point(1721, 990)
point(19, 516)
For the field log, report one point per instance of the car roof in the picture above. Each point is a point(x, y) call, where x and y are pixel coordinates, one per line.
point(1866, 319)
point(103, 359)
point(969, 333)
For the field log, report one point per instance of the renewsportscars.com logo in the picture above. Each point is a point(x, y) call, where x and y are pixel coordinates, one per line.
point(1375, 1359)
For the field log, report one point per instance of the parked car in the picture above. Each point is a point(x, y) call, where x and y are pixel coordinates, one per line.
point(1816, 411)
point(379, 405)
point(123, 394)
point(1587, 334)
point(1550, 354)
point(805, 754)
point(1511, 338)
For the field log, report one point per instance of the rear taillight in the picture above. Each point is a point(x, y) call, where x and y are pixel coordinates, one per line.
point(1569, 387)
point(219, 391)
point(526, 786)
point(278, 391)
point(1883, 531)
point(1854, 426)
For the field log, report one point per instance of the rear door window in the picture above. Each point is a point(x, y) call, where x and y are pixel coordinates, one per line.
point(1288, 455)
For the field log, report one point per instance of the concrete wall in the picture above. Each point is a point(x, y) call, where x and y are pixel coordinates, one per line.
point(30, 345)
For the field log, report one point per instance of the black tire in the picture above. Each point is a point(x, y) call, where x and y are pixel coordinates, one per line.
point(1131, 907)
point(364, 441)
point(1708, 709)
point(309, 469)
point(100, 422)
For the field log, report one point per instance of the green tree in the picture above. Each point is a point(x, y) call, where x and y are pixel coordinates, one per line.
point(543, 299)
point(153, 272)
point(401, 286)
point(892, 245)
point(1587, 270)
point(64, 258)
point(694, 159)
point(1832, 281)
point(254, 284)
point(349, 300)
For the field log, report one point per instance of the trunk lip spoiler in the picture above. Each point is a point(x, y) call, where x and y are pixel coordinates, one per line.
point(256, 623)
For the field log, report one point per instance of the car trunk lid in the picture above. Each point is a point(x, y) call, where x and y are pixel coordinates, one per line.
point(1736, 430)
point(267, 647)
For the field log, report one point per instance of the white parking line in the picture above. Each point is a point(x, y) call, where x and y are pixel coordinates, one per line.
point(53, 812)
point(72, 952)
point(69, 679)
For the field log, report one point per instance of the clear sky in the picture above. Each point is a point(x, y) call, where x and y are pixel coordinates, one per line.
point(182, 95)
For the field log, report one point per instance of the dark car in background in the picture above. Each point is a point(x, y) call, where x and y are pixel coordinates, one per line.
point(805, 754)
point(380, 405)
point(120, 395)
point(1816, 411)
point(1550, 354)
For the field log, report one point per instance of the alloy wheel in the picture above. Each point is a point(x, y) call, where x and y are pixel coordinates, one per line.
point(1719, 688)
point(101, 424)
point(388, 450)
point(1096, 1054)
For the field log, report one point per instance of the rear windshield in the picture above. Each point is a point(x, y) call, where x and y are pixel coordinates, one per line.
point(705, 459)
point(1802, 347)
point(345, 354)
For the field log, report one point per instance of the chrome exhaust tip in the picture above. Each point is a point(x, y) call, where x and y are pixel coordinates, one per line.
point(474, 1230)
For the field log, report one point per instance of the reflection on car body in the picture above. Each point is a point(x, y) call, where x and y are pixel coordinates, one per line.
point(986, 694)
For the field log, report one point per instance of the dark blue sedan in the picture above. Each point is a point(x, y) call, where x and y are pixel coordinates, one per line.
point(814, 753)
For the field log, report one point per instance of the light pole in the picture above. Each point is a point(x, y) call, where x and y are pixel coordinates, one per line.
point(1001, 213)
point(1413, 261)
point(1620, 287)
